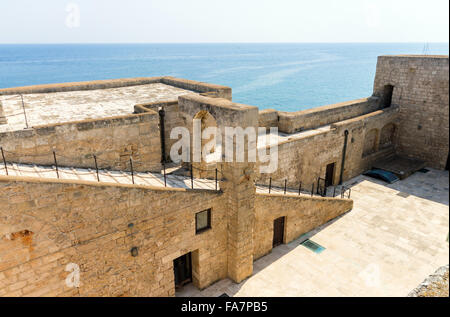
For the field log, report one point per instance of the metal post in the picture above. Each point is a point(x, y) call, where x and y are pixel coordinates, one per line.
point(216, 179)
point(162, 114)
point(312, 190)
point(344, 152)
point(24, 112)
point(4, 161)
point(285, 186)
point(300, 188)
point(192, 178)
point(334, 192)
point(96, 168)
point(165, 178)
point(349, 192)
point(132, 171)
point(270, 184)
point(56, 164)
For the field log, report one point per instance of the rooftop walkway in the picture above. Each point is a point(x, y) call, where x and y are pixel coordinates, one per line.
point(106, 176)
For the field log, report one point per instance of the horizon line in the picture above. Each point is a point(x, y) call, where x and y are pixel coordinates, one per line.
point(175, 43)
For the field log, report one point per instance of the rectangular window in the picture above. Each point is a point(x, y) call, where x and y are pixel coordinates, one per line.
point(203, 221)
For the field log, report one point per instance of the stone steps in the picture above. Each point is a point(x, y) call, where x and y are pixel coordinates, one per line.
point(106, 176)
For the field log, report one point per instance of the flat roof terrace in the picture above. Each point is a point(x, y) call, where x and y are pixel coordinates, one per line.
point(66, 106)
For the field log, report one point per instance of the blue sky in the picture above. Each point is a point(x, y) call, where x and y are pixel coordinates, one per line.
point(162, 21)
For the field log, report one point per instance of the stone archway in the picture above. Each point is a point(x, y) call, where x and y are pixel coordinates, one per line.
point(371, 142)
point(387, 135)
point(206, 168)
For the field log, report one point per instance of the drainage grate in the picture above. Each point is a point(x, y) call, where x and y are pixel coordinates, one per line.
point(317, 248)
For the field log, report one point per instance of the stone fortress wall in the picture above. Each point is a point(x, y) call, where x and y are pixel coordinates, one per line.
point(414, 124)
point(47, 224)
point(420, 87)
point(112, 140)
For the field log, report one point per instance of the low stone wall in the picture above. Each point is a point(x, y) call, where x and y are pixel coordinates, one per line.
point(268, 118)
point(113, 140)
point(49, 224)
point(83, 85)
point(291, 122)
point(304, 159)
point(303, 214)
point(200, 87)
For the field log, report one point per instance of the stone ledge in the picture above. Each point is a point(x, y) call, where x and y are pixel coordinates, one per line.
point(84, 85)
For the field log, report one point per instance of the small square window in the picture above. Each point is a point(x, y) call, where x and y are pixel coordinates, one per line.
point(203, 221)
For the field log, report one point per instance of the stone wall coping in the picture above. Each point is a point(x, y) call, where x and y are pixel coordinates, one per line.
point(203, 87)
point(83, 85)
point(25, 179)
point(415, 56)
point(154, 104)
point(324, 108)
point(115, 83)
point(217, 102)
point(266, 111)
point(90, 123)
point(101, 120)
point(386, 111)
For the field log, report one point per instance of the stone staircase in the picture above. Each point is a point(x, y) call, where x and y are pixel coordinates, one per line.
point(106, 176)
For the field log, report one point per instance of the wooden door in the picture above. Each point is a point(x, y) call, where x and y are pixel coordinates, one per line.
point(329, 176)
point(182, 268)
point(278, 231)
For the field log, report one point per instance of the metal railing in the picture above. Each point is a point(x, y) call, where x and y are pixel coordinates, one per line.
point(318, 188)
point(130, 165)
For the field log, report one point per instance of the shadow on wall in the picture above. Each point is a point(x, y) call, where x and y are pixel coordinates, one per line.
point(231, 289)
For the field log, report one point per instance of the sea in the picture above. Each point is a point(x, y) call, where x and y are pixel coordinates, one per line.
point(285, 77)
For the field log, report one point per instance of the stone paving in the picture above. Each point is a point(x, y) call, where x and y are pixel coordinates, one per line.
point(113, 177)
point(393, 238)
point(47, 108)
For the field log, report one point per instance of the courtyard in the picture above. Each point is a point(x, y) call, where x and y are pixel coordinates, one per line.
point(394, 238)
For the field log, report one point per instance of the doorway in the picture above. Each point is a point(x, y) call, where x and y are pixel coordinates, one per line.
point(387, 95)
point(329, 175)
point(278, 231)
point(182, 268)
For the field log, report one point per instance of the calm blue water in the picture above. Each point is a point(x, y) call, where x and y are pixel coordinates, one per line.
point(286, 77)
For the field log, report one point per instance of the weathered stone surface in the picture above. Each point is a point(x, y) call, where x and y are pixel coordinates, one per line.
point(113, 140)
point(421, 90)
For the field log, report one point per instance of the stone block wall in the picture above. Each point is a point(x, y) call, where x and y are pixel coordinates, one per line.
point(172, 119)
point(237, 179)
point(303, 214)
point(48, 224)
point(291, 122)
point(217, 91)
point(84, 85)
point(421, 90)
point(113, 140)
point(304, 159)
point(268, 118)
